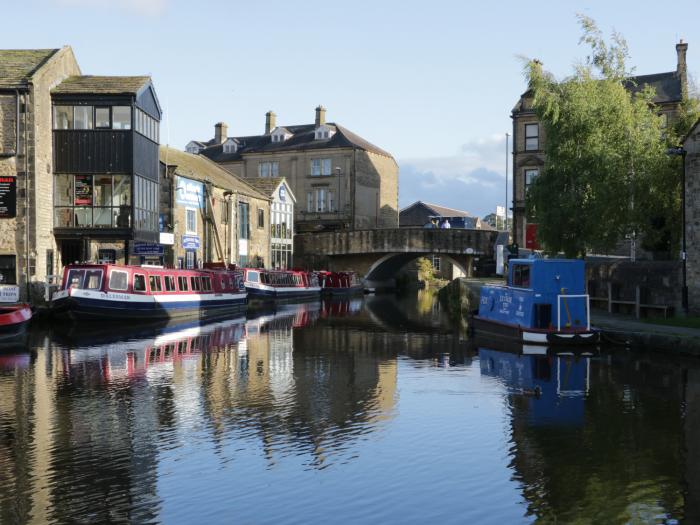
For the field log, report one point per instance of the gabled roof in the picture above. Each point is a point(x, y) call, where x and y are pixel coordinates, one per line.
point(439, 211)
point(303, 138)
point(101, 85)
point(667, 86)
point(17, 66)
point(200, 168)
point(269, 185)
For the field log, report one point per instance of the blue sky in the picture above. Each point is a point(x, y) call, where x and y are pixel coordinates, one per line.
point(431, 82)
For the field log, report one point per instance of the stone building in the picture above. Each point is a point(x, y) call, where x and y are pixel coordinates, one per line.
point(210, 214)
point(691, 146)
point(281, 219)
point(27, 245)
point(341, 180)
point(529, 140)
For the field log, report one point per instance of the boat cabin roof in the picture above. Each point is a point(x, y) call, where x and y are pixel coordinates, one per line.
point(548, 275)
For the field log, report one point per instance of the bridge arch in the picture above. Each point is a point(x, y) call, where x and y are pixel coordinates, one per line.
point(388, 266)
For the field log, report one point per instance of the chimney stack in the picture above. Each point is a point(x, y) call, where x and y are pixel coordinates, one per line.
point(682, 68)
point(220, 132)
point(270, 122)
point(320, 116)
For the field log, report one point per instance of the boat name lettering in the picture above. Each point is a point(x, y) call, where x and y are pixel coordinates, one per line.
point(122, 296)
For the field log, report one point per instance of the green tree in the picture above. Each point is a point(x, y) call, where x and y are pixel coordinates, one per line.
point(607, 173)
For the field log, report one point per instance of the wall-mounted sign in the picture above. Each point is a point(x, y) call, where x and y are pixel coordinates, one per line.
point(190, 242)
point(146, 248)
point(283, 193)
point(9, 294)
point(8, 197)
point(83, 190)
point(167, 238)
point(189, 192)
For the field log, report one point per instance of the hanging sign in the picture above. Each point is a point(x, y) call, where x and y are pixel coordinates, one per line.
point(190, 242)
point(9, 294)
point(8, 197)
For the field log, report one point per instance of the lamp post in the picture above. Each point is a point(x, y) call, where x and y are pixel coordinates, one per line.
point(505, 204)
point(681, 152)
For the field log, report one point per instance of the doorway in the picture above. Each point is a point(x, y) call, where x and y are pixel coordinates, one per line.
point(71, 252)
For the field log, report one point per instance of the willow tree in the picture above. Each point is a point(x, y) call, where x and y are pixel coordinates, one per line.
point(607, 173)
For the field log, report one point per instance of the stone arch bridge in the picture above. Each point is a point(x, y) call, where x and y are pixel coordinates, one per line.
point(379, 254)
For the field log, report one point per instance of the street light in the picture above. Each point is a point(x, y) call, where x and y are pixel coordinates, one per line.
point(680, 152)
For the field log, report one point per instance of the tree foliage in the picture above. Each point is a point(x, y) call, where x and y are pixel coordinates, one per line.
point(607, 172)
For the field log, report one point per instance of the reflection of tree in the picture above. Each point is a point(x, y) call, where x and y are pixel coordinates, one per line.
point(623, 462)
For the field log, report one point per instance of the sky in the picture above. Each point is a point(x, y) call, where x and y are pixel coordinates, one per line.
point(433, 83)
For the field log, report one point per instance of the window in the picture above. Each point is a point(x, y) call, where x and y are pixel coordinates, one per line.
point(102, 118)
point(206, 284)
point(253, 277)
point(230, 147)
point(75, 279)
point(92, 201)
point(261, 218)
point(269, 169)
point(521, 275)
point(190, 259)
point(331, 202)
point(63, 117)
point(195, 284)
point(106, 255)
point(169, 283)
point(530, 175)
point(139, 282)
point(320, 167)
point(243, 220)
point(118, 280)
point(93, 279)
point(49, 262)
point(225, 211)
point(8, 269)
point(532, 134)
point(182, 283)
point(310, 202)
point(436, 263)
point(82, 117)
point(155, 282)
point(191, 220)
point(121, 117)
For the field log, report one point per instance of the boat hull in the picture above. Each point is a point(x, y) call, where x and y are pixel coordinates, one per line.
point(92, 305)
point(487, 327)
point(342, 290)
point(262, 291)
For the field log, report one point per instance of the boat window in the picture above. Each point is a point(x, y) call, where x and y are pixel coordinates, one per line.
point(521, 275)
point(224, 282)
point(169, 283)
point(196, 284)
point(253, 277)
point(182, 283)
point(93, 279)
point(139, 282)
point(75, 279)
point(155, 282)
point(118, 280)
point(206, 284)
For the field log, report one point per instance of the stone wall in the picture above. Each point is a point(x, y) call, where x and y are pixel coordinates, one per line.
point(692, 217)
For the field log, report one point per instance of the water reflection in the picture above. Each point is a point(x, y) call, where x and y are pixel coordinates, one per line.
point(349, 409)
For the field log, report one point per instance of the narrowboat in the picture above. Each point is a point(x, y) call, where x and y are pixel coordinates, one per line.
point(280, 284)
point(113, 291)
point(14, 320)
point(339, 283)
point(543, 302)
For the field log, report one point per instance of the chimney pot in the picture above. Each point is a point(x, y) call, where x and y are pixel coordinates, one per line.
point(682, 68)
point(220, 132)
point(320, 116)
point(270, 122)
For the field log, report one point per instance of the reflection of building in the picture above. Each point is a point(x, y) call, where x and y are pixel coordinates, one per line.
point(211, 214)
point(341, 181)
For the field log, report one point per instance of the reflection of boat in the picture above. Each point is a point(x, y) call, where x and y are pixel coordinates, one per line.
point(118, 292)
point(279, 284)
point(544, 302)
point(13, 321)
point(339, 283)
point(554, 383)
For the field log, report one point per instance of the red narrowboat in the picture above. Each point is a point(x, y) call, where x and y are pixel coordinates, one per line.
point(337, 283)
point(112, 291)
point(14, 320)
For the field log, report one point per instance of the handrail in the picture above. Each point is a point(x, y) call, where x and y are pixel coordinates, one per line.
point(574, 296)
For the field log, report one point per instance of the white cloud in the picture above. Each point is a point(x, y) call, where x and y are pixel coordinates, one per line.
point(144, 7)
point(473, 179)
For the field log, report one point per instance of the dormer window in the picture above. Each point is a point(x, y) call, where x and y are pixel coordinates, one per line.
point(280, 135)
point(323, 132)
point(193, 148)
point(230, 146)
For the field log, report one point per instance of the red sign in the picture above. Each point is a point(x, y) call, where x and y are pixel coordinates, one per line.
point(531, 237)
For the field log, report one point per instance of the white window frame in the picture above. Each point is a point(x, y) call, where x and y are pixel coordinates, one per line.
point(126, 287)
point(269, 168)
point(536, 136)
point(193, 211)
point(533, 172)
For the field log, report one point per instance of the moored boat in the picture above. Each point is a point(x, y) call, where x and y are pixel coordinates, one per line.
point(280, 284)
point(543, 302)
point(339, 283)
point(112, 291)
point(14, 319)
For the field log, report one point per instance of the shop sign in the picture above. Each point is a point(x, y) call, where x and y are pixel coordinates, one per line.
point(167, 238)
point(8, 197)
point(146, 248)
point(190, 242)
point(9, 294)
point(189, 192)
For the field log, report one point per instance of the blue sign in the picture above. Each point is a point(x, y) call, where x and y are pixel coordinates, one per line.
point(190, 242)
point(283, 193)
point(189, 192)
point(147, 248)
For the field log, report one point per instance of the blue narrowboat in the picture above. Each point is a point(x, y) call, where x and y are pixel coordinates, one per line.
point(543, 302)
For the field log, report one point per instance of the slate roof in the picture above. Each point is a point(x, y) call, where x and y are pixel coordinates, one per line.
point(435, 210)
point(303, 138)
point(667, 86)
point(441, 211)
point(101, 85)
point(200, 168)
point(17, 66)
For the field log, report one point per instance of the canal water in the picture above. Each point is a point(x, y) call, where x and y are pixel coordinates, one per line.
point(370, 410)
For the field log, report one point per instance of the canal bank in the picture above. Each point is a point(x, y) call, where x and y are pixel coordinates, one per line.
point(462, 295)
